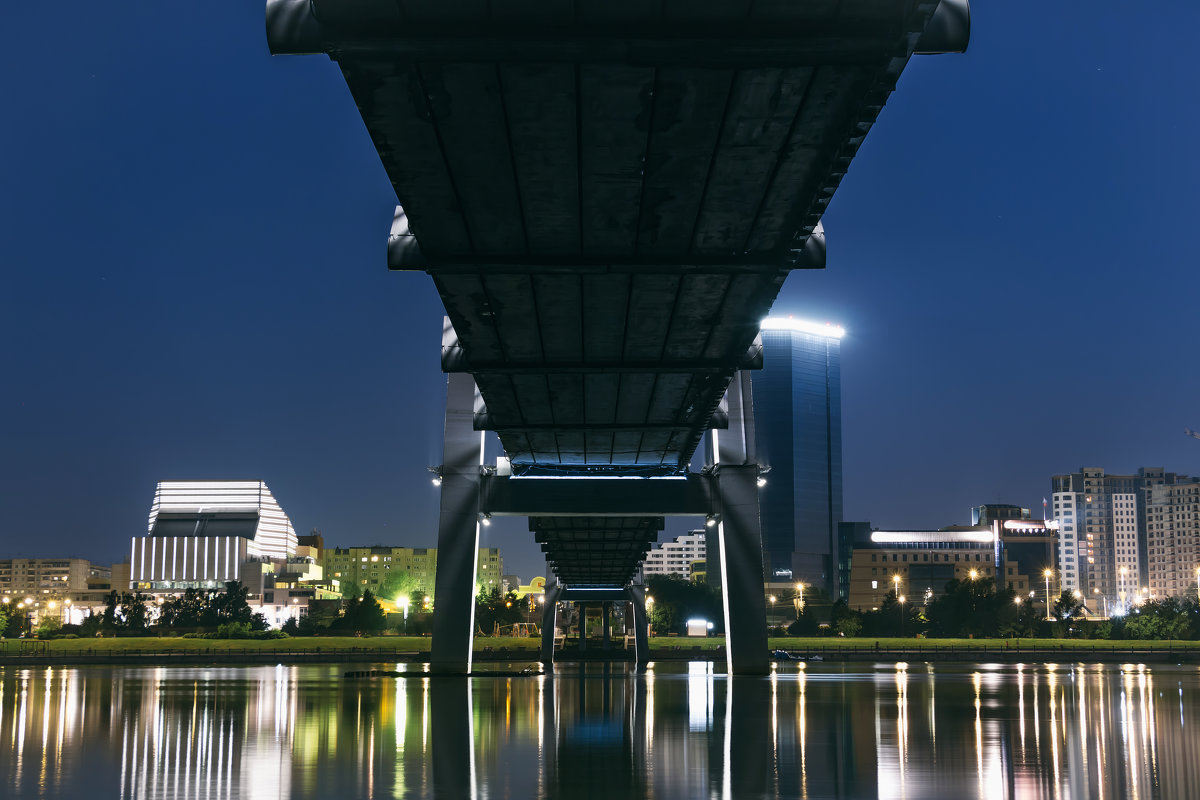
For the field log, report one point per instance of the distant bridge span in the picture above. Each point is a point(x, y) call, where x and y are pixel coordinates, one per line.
point(608, 195)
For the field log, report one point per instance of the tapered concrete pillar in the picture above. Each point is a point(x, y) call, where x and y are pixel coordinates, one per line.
point(739, 540)
point(742, 572)
point(641, 624)
point(550, 622)
point(458, 531)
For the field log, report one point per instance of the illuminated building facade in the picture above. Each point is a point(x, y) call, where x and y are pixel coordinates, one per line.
point(798, 434)
point(204, 533)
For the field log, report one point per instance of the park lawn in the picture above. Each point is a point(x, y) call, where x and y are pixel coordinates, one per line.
point(895, 643)
point(403, 644)
point(420, 644)
point(180, 644)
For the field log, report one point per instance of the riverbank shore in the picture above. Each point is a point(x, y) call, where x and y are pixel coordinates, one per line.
point(413, 649)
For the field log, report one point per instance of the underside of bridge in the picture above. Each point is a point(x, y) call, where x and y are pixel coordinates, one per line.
point(609, 195)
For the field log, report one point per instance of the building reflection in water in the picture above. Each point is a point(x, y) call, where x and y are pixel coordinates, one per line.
point(679, 730)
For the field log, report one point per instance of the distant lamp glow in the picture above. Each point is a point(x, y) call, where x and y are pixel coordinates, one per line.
point(1017, 600)
point(973, 574)
point(761, 482)
point(485, 519)
point(437, 480)
point(710, 521)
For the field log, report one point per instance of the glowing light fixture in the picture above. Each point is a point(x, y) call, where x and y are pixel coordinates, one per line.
point(802, 326)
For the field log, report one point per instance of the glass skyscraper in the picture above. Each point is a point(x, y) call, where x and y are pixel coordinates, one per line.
point(798, 433)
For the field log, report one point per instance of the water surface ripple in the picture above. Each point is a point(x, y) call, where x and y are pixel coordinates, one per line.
point(678, 731)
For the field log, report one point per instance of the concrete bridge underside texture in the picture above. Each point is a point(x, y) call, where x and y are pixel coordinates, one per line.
point(609, 195)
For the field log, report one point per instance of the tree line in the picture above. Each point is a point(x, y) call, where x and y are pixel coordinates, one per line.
point(974, 608)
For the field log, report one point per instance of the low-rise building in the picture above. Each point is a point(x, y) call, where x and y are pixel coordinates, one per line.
point(919, 564)
point(376, 567)
point(50, 576)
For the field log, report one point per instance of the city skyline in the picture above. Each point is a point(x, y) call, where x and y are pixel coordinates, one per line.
point(193, 295)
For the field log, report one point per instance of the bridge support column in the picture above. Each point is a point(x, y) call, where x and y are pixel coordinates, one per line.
point(641, 625)
point(458, 532)
point(739, 539)
point(606, 619)
point(550, 623)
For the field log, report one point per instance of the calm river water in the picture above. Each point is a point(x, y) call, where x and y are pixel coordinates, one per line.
point(678, 731)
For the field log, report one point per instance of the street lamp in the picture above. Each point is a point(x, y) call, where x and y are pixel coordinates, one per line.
point(772, 598)
point(1123, 571)
point(901, 598)
point(896, 584)
point(404, 601)
point(973, 574)
point(1046, 574)
point(799, 599)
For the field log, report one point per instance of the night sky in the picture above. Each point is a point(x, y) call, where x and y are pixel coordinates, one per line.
point(193, 236)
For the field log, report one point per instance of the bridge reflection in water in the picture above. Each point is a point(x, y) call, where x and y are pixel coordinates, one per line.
point(679, 730)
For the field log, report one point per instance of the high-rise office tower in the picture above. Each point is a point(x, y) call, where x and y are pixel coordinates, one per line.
point(798, 434)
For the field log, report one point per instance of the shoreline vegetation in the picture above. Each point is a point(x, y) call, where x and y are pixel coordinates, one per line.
point(333, 649)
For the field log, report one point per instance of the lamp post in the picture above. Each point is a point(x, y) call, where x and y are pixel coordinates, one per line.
point(772, 598)
point(404, 601)
point(800, 596)
point(901, 599)
point(1046, 574)
point(1123, 571)
point(896, 584)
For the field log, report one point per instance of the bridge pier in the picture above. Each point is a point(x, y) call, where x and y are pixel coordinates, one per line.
point(641, 624)
point(458, 532)
point(550, 622)
point(738, 537)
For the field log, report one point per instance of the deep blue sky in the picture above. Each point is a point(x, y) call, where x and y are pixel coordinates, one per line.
point(192, 236)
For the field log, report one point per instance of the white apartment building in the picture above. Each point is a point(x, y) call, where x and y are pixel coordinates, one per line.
point(676, 556)
point(1104, 545)
point(1173, 539)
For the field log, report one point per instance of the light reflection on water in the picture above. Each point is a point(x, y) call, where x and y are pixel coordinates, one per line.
point(1050, 731)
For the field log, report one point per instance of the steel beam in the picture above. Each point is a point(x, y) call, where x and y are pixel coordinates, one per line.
point(458, 532)
point(485, 422)
point(691, 495)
